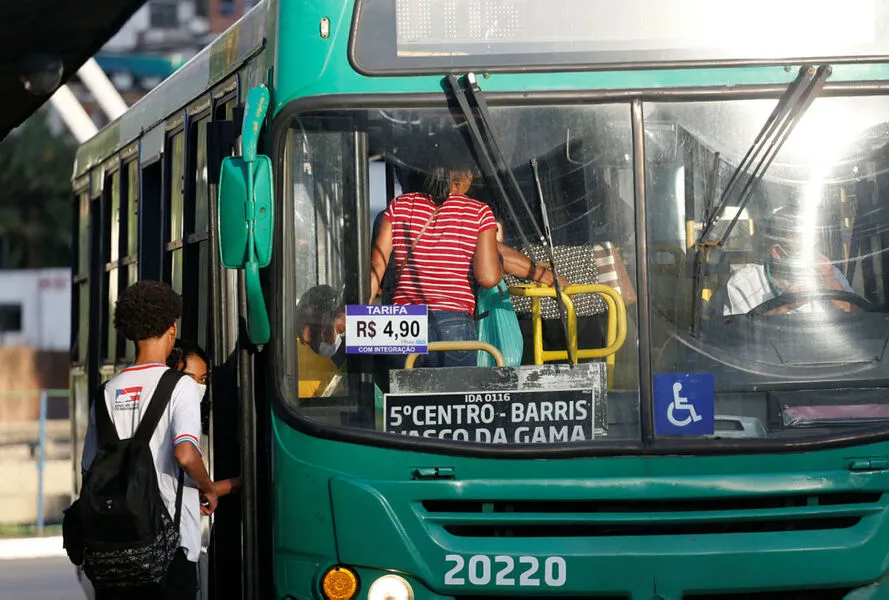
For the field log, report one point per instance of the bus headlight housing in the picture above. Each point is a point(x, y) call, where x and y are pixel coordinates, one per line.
point(390, 587)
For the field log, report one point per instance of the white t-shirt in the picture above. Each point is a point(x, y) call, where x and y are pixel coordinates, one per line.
point(748, 287)
point(127, 397)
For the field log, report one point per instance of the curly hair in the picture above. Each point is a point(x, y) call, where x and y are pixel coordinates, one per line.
point(146, 310)
point(184, 349)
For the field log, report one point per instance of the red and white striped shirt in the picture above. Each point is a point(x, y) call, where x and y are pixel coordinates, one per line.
point(437, 273)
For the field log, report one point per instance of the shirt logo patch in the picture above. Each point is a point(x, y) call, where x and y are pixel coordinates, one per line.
point(127, 398)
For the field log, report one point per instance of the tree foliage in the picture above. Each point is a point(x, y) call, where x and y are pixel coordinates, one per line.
point(35, 196)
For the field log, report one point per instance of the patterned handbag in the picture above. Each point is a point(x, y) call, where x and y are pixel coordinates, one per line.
point(577, 264)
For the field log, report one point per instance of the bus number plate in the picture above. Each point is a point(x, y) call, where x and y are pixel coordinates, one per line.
point(506, 571)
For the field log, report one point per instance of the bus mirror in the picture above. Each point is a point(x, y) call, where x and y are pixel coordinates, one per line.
point(246, 223)
point(254, 114)
point(246, 218)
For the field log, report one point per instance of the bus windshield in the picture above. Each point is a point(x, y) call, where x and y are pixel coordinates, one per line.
point(360, 181)
point(775, 333)
point(784, 302)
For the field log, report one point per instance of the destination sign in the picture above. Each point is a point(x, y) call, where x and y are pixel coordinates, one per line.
point(502, 417)
point(419, 35)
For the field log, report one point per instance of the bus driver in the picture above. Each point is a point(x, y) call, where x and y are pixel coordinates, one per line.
point(792, 265)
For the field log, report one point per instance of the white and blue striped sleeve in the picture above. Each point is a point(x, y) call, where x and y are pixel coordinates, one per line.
point(185, 410)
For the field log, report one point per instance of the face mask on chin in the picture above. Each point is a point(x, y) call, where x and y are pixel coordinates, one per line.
point(327, 349)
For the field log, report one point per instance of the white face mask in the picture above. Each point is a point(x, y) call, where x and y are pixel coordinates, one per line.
point(328, 350)
point(203, 388)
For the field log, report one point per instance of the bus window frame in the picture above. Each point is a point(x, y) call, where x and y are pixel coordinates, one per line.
point(195, 323)
point(173, 242)
point(649, 444)
point(195, 300)
point(286, 411)
point(82, 378)
point(80, 272)
point(128, 264)
point(112, 194)
point(151, 223)
point(119, 262)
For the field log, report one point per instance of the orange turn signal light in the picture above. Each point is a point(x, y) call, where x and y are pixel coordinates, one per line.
point(339, 583)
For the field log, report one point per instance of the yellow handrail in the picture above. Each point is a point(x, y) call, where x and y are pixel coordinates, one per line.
point(617, 320)
point(459, 345)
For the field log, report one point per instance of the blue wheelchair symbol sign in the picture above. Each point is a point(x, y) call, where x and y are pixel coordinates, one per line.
point(683, 403)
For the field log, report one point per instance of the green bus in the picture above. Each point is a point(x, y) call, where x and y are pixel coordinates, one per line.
point(698, 412)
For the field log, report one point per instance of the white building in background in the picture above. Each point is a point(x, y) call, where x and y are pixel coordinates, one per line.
point(35, 308)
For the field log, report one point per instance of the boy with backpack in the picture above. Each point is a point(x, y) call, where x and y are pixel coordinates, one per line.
point(136, 525)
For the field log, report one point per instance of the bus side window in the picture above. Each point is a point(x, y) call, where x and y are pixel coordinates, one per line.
point(80, 320)
point(151, 223)
point(111, 222)
point(196, 238)
point(80, 291)
point(174, 226)
point(129, 247)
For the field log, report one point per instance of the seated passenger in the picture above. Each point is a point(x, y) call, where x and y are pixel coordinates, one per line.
point(320, 323)
point(791, 265)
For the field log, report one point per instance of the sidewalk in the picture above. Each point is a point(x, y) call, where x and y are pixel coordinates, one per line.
point(36, 547)
point(50, 578)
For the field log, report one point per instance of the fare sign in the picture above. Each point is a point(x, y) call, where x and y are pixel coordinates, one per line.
point(387, 329)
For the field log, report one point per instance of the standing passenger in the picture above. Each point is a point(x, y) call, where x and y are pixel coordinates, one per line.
point(146, 313)
point(193, 361)
point(435, 239)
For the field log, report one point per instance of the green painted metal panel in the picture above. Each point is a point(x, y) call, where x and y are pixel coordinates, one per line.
point(233, 226)
point(378, 520)
point(308, 65)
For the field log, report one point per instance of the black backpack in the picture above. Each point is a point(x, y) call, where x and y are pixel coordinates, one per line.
point(120, 521)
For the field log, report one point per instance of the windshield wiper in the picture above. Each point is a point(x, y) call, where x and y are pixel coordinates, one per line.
point(696, 299)
point(548, 244)
point(792, 105)
point(494, 164)
point(489, 152)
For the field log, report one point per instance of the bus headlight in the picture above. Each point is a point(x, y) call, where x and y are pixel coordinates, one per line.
point(390, 587)
point(339, 583)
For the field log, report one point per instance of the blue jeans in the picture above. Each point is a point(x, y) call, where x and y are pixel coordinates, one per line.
point(447, 326)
